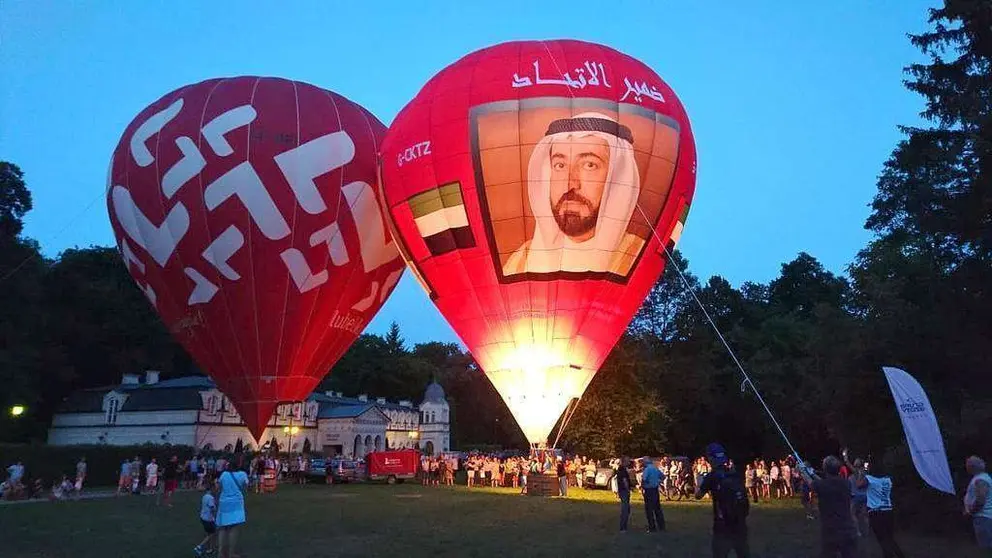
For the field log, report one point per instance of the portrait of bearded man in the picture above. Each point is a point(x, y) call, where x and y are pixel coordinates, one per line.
point(582, 186)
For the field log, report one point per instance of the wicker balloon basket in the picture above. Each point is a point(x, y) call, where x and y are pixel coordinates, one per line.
point(543, 485)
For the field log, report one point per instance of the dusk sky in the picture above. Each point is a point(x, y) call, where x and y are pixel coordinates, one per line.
point(794, 106)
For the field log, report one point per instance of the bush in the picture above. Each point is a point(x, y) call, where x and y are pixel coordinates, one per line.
point(103, 463)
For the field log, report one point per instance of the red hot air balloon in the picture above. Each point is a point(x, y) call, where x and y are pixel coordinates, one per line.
point(532, 188)
point(245, 209)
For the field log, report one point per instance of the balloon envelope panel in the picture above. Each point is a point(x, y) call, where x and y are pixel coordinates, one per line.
point(245, 209)
point(533, 187)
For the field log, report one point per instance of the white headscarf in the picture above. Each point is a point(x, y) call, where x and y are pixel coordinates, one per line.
point(551, 249)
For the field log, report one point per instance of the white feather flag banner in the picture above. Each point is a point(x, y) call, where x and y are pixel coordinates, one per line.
point(922, 432)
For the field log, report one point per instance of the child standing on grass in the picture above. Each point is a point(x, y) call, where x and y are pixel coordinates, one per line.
point(208, 517)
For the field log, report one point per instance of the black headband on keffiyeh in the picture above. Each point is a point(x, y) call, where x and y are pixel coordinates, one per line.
point(586, 124)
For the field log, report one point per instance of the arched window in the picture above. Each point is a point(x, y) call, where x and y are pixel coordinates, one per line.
point(432, 416)
point(113, 406)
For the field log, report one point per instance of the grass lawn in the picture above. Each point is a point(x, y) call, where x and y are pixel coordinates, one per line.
point(410, 521)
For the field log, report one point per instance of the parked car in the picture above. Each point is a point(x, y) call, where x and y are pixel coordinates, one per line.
point(605, 476)
point(317, 465)
point(347, 470)
point(342, 470)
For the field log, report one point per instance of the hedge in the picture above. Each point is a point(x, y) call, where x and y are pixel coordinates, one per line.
point(103, 462)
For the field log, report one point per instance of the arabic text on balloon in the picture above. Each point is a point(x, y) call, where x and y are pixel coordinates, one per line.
point(589, 74)
point(639, 90)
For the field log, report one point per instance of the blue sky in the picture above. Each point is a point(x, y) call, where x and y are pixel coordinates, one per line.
point(794, 105)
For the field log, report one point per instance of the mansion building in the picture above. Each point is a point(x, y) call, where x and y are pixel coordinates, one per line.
point(191, 411)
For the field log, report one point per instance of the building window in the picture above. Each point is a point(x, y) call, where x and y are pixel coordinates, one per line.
point(212, 405)
point(432, 416)
point(113, 406)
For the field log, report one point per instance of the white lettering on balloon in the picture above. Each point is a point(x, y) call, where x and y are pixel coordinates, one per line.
point(301, 165)
point(413, 152)
point(214, 130)
point(149, 293)
point(331, 235)
point(590, 74)
point(244, 183)
point(300, 271)
point(368, 301)
point(159, 241)
point(149, 128)
point(376, 251)
point(374, 248)
point(388, 284)
point(203, 289)
point(639, 90)
point(185, 169)
point(222, 248)
point(130, 258)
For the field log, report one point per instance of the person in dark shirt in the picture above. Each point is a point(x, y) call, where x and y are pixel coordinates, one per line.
point(562, 477)
point(730, 504)
point(623, 492)
point(838, 533)
point(170, 474)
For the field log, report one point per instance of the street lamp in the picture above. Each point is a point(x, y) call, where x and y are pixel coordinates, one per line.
point(17, 410)
point(291, 431)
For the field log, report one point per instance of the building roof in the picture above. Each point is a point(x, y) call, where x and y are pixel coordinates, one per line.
point(334, 400)
point(343, 411)
point(163, 399)
point(202, 382)
point(178, 394)
point(434, 393)
point(84, 401)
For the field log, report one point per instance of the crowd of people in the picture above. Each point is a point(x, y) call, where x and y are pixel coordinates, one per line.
point(767, 480)
point(16, 486)
point(850, 498)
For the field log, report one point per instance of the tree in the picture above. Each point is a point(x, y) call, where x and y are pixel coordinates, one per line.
point(923, 282)
point(935, 187)
point(620, 413)
point(15, 200)
point(395, 345)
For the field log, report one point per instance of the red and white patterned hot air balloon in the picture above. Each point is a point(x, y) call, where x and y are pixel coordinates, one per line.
point(245, 209)
point(532, 188)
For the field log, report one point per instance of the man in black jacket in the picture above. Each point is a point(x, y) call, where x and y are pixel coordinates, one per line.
point(730, 504)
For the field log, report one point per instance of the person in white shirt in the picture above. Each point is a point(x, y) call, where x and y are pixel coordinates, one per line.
point(786, 478)
point(880, 517)
point(151, 475)
point(208, 517)
point(977, 503)
point(776, 485)
point(80, 475)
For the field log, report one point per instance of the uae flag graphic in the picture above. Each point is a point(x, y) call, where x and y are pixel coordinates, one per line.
point(677, 231)
point(441, 219)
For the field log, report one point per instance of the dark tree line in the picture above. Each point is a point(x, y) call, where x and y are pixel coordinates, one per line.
point(917, 297)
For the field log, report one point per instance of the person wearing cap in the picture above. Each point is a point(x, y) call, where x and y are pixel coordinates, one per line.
point(730, 504)
point(650, 482)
